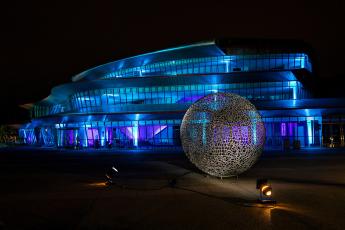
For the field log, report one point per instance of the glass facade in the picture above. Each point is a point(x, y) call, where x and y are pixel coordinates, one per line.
point(281, 132)
point(128, 105)
point(287, 132)
point(120, 134)
point(221, 64)
point(111, 99)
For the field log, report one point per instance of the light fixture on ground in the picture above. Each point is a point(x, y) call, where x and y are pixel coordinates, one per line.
point(110, 175)
point(265, 190)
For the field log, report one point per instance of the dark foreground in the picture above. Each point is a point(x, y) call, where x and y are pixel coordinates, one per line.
point(49, 189)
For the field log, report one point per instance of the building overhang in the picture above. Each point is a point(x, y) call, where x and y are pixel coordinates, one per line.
point(281, 108)
point(61, 93)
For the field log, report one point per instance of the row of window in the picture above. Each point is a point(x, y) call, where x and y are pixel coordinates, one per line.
point(39, 110)
point(306, 130)
point(111, 99)
point(218, 64)
point(150, 133)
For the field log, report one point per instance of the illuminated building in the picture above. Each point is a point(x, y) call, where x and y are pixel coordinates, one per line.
point(139, 102)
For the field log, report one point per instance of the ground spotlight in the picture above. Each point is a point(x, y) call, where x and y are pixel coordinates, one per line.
point(265, 191)
point(110, 174)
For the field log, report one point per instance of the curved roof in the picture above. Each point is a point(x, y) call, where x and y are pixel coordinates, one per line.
point(203, 49)
point(217, 47)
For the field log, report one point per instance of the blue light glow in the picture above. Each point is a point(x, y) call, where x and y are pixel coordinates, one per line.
point(310, 131)
point(204, 123)
point(217, 64)
point(254, 124)
point(135, 130)
point(111, 95)
point(293, 85)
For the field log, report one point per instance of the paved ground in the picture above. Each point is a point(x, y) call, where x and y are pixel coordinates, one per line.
point(49, 189)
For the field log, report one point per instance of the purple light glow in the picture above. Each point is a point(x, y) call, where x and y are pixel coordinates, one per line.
point(109, 134)
point(283, 129)
point(189, 99)
point(68, 136)
point(240, 134)
point(245, 134)
point(236, 133)
point(145, 132)
point(127, 131)
point(92, 134)
point(292, 126)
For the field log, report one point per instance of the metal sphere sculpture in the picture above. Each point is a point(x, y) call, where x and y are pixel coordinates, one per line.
point(222, 134)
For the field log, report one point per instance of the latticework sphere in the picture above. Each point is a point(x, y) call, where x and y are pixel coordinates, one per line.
point(222, 134)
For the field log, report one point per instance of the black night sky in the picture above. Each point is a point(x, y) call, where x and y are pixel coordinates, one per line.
point(44, 44)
